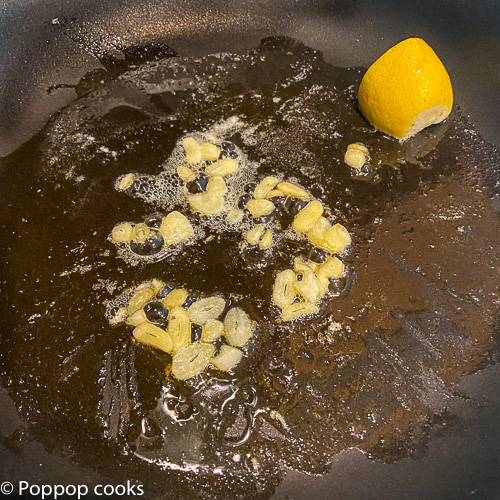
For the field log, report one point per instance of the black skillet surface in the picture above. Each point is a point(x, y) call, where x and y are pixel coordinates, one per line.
point(466, 452)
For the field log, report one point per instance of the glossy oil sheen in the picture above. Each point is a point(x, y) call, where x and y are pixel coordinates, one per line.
point(375, 371)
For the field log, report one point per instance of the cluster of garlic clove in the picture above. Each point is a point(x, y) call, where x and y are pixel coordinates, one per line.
point(173, 229)
point(200, 333)
point(206, 157)
point(357, 155)
point(165, 317)
point(260, 204)
point(298, 291)
point(260, 235)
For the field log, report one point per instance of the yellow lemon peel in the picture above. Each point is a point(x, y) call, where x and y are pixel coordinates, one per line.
point(406, 90)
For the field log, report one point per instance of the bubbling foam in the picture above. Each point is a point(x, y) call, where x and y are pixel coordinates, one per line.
point(264, 212)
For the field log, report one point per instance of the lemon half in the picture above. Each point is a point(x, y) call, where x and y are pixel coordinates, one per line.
point(406, 90)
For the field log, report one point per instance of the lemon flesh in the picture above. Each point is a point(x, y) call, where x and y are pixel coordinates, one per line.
point(406, 90)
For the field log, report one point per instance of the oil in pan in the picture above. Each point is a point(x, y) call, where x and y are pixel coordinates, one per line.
point(415, 311)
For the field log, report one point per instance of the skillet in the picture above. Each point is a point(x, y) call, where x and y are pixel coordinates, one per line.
point(466, 453)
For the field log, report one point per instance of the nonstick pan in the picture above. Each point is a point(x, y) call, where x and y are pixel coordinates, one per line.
point(55, 54)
